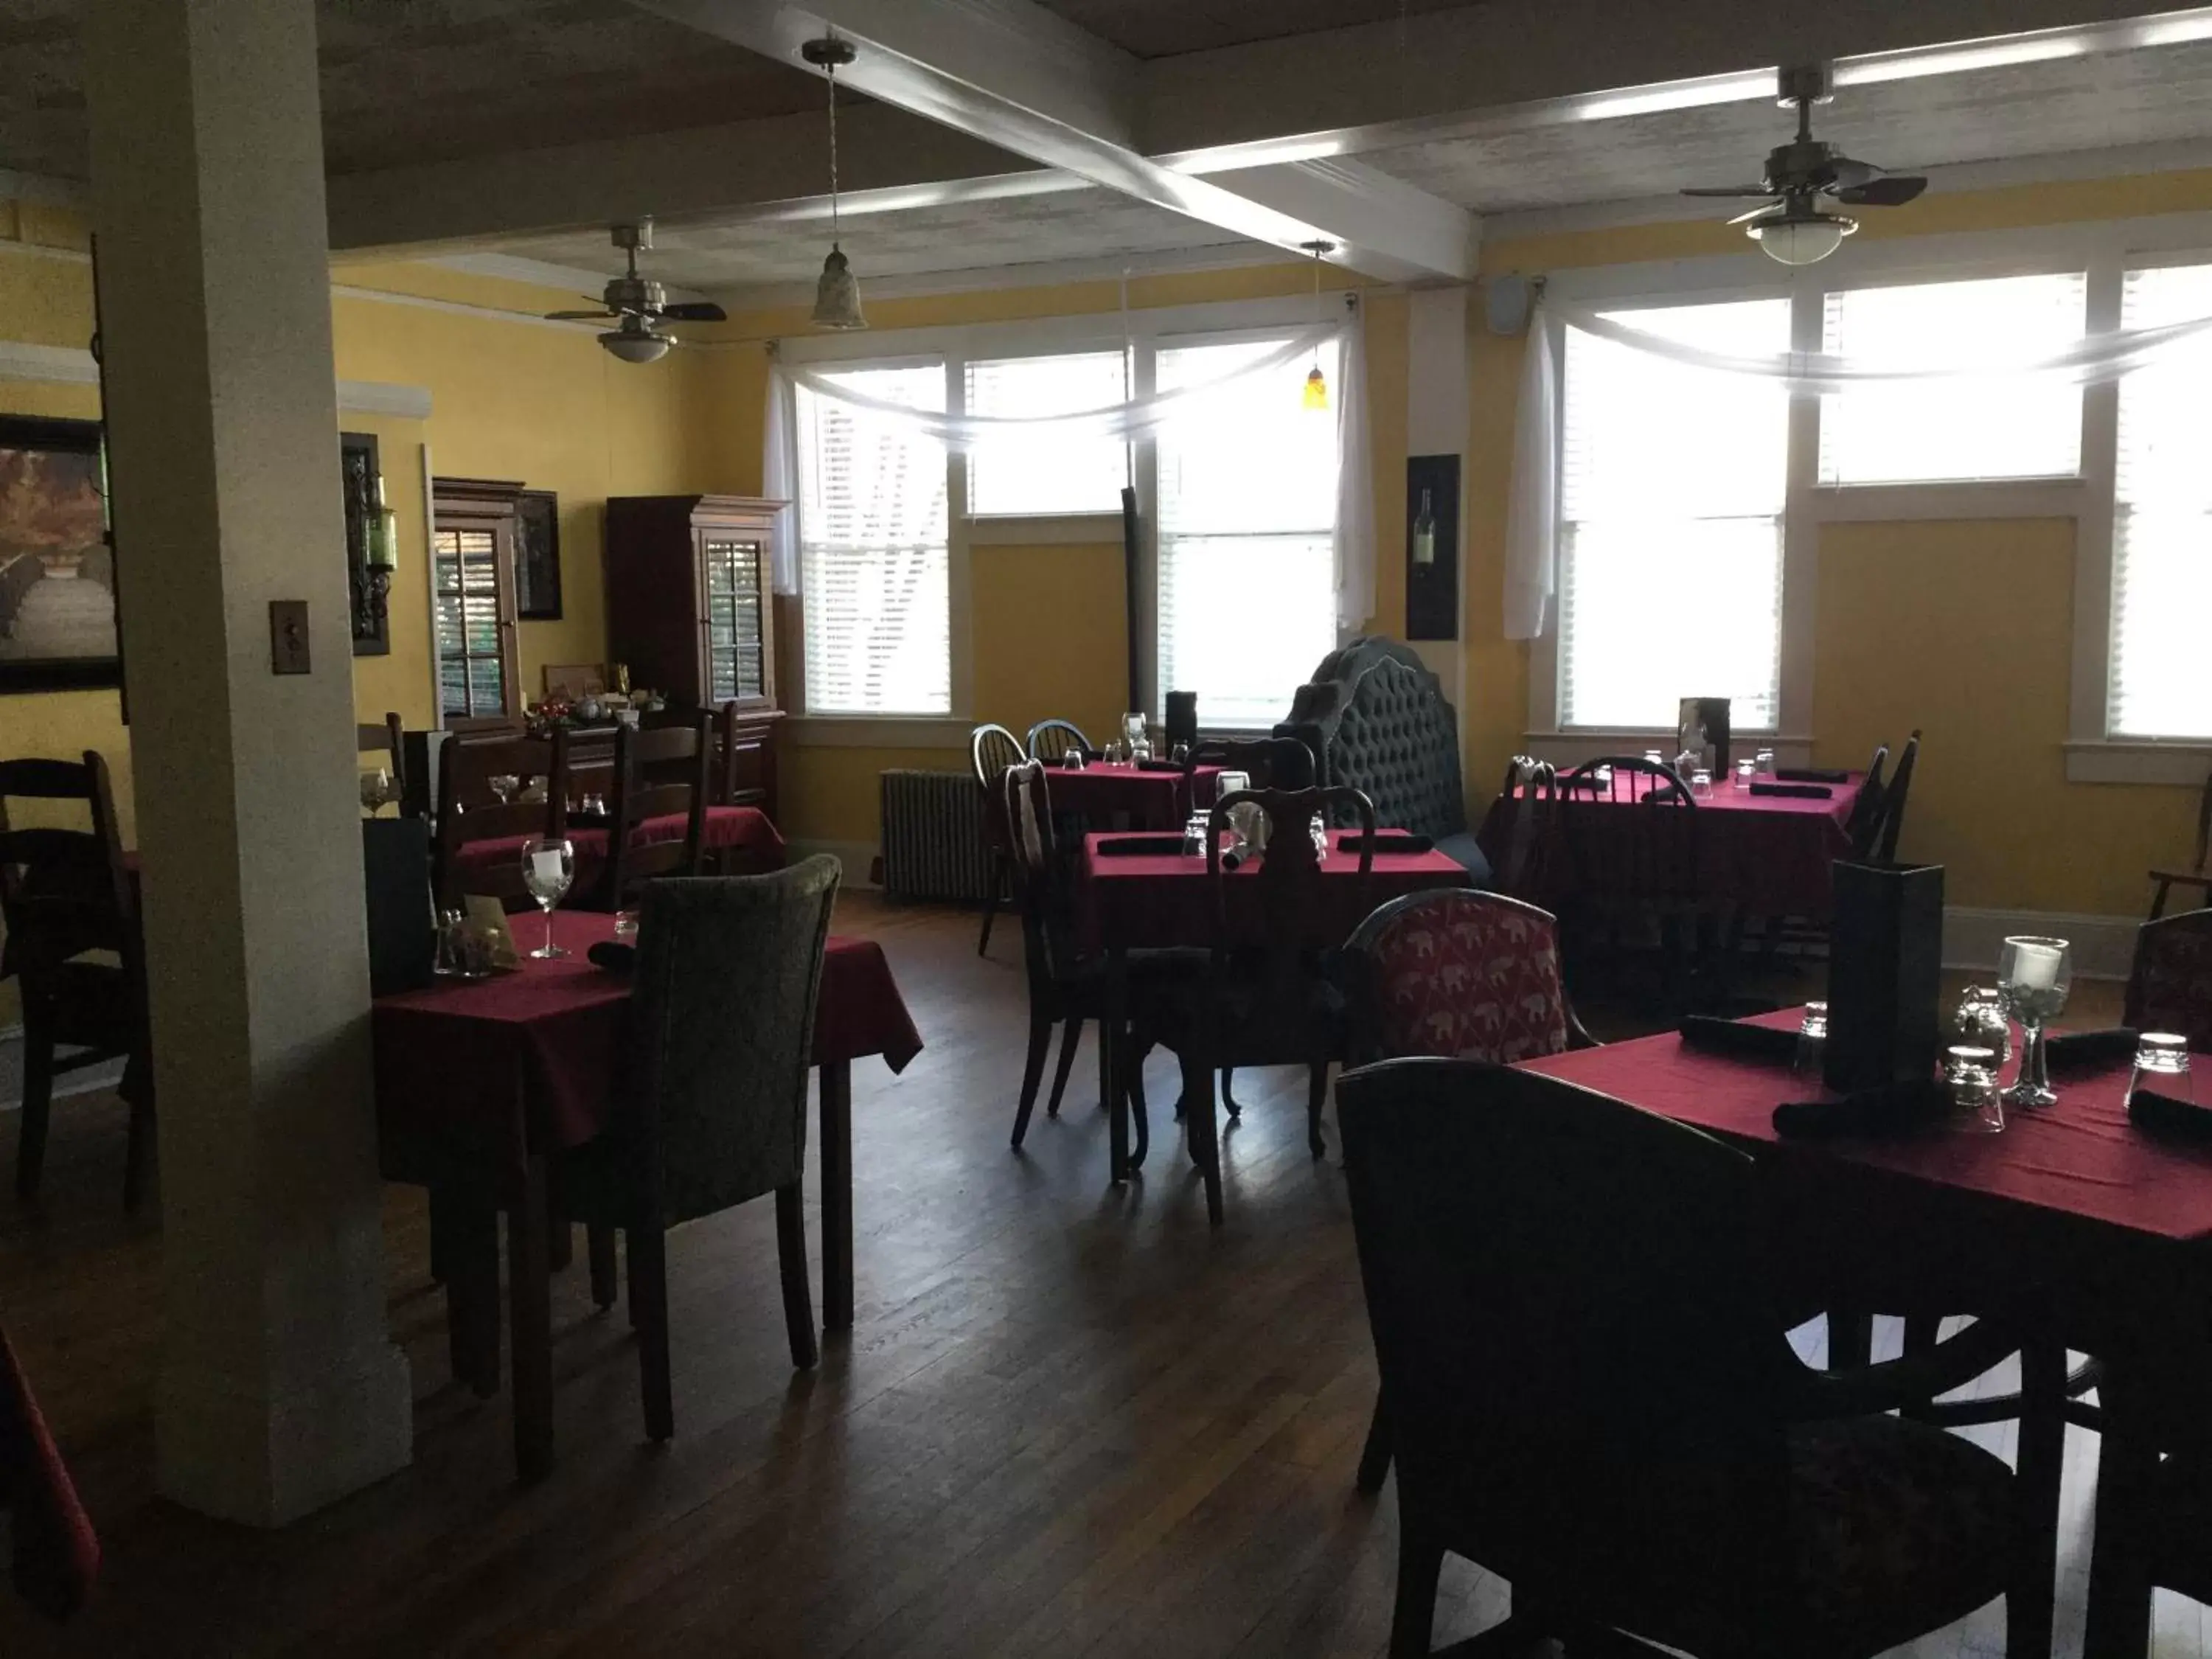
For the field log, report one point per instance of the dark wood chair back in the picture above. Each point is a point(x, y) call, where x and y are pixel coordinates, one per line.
point(1892, 803)
point(583, 765)
point(1279, 763)
point(468, 761)
point(1633, 839)
point(65, 889)
point(468, 812)
point(1575, 1343)
point(1460, 974)
point(992, 750)
point(1864, 824)
point(657, 816)
point(744, 770)
point(1528, 803)
point(388, 743)
point(1287, 883)
point(2170, 982)
point(1042, 890)
point(1050, 740)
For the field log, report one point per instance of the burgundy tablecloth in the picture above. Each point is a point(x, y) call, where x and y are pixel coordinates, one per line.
point(1767, 854)
point(1124, 797)
point(524, 1062)
point(744, 828)
point(1161, 900)
point(2079, 1158)
point(55, 1552)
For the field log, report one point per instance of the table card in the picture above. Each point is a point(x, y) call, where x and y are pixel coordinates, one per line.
point(1885, 974)
point(488, 917)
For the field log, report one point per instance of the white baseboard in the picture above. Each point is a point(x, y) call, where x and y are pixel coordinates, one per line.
point(857, 857)
point(2103, 946)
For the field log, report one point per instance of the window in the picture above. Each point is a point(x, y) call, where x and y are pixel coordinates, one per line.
point(472, 572)
point(2162, 522)
point(873, 560)
point(1052, 472)
point(1909, 433)
point(1247, 507)
point(1673, 482)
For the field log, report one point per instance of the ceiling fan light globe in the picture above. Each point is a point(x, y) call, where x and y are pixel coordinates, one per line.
point(1800, 238)
point(837, 295)
point(635, 345)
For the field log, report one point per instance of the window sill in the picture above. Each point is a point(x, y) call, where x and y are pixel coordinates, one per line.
point(1046, 530)
point(1978, 498)
point(2105, 760)
point(878, 730)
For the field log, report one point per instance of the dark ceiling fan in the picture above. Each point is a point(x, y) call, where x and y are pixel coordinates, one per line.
point(638, 305)
point(1796, 226)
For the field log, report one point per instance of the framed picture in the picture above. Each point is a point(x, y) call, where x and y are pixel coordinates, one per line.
point(538, 556)
point(56, 569)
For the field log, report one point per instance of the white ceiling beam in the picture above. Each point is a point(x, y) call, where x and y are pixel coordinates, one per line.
point(1011, 73)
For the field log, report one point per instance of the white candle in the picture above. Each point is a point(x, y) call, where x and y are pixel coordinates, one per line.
point(2034, 967)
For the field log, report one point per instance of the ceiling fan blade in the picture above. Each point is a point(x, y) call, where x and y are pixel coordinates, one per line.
point(599, 316)
point(696, 311)
point(1891, 189)
point(1759, 212)
point(1743, 191)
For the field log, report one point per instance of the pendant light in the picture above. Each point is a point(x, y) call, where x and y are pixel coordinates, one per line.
point(837, 295)
point(1316, 391)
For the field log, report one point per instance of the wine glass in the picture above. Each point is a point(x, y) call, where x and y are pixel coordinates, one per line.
point(549, 865)
point(2034, 975)
point(504, 784)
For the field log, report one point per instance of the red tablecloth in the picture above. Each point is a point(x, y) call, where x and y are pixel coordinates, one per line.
point(524, 1062)
point(1160, 900)
point(746, 828)
point(1767, 854)
point(55, 1552)
point(1122, 796)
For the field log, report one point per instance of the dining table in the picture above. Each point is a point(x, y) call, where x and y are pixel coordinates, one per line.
point(1156, 795)
point(744, 831)
point(1762, 855)
point(479, 1082)
point(1136, 894)
point(2082, 1230)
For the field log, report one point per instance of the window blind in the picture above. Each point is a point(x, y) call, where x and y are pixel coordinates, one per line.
point(2002, 428)
point(874, 567)
point(470, 680)
point(1247, 533)
point(1044, 473)
point(1672, 487)
point(2162, 527)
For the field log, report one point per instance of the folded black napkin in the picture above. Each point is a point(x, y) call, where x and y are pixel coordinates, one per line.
point(1388, 840)
point(1729, 1036)
point(1159, 766)
point(2084, 1048)
point(2185, 1120)
point(1664, 794)
point(1810, 774)
point(1794, 791)
point(613, 955)
point(1892, 1110)
point(1137, 847)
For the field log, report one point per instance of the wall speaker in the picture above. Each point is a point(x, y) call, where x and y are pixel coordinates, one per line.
point(1507, 298)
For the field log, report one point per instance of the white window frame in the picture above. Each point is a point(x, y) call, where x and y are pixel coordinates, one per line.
point(1141, 332)
point(2105, 249)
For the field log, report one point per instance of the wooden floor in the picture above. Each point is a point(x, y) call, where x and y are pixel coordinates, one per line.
point(1069, 1420)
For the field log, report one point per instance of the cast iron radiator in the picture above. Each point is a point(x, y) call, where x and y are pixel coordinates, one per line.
point(933, 845)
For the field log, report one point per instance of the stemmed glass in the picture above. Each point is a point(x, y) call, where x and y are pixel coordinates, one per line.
point(549, 865)
point(2034, 975)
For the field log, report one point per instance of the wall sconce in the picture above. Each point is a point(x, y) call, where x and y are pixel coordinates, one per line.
point(372, 542)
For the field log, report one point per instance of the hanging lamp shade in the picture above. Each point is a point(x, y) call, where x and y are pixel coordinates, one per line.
point(1316, 392)
point(837, 295)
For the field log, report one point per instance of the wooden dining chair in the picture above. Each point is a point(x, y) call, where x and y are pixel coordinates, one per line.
point(1527, 804)
point(478, 849)
point(711, 1084)
point(386, 741)
point(1269, 763)
point(1592, 1397)
point(656, 813)
point(1893, 799)
point(2170, 981)
point(1864, 824)
point(990, 751)
point(68, 901)
point(1050, 740)
point(1631, 841)
point(2196, 876)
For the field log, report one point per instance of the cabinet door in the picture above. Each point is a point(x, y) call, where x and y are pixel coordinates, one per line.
point(735, 643)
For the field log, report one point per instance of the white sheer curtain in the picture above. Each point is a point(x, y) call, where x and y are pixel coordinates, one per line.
point(1532, 509)
point(779, 477)
point(1355, 484)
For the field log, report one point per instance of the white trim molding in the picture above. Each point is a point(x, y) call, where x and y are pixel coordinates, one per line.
point(52, 365)
point(2115, 760)
point(1046, 530)
point(2103, 946)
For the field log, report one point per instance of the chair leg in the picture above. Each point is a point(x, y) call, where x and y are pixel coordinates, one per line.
point(139, 1154)
point(1316, 1098)
point(648, 1301)
point(2158, 900)
point(1850, 1338)
point(1413, 1614)
point(1032, 1074)
point(1229, 1099)
point(791, 1258)
point(1375, 1456)
point(599, 1246)
point(999, 873)
point(2042, 1451)
point(1200, 1130)
point(1070, 1037)
point(38, 1104)
point(1133, 1083)
point(2119, 1617)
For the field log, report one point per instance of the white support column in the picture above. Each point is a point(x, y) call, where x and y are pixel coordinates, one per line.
point(279, 1390)
point(1436, 418)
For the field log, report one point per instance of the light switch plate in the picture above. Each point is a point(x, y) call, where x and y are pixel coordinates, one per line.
point(287, 636)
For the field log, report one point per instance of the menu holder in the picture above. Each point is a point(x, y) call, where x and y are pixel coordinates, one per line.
point(1896, 1109)
point(2162, 1115)
point(1885, 975)
point(1810, 774)
point(488, 917)
point(1386, 841)
point(1738, 1040)
point(1137, 847)
point(2076, 1050)
point(1794, 791)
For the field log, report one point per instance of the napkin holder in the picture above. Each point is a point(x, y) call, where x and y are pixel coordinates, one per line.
point(395, 856)
point(1885, 972)
point(1181, 719)
point(1710, 716)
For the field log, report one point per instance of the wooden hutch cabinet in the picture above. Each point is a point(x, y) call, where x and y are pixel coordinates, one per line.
point(690, 611)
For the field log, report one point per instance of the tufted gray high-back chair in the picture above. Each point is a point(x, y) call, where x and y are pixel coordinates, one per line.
point(1376, 720)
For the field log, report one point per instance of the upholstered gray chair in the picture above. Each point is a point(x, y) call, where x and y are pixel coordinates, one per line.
point(1376, 721)
point(714, 1081)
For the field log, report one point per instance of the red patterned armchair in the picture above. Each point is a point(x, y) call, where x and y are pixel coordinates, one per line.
point(1462, 975)
point(2170, 985)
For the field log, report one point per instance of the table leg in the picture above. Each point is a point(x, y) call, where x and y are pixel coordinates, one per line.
point(2119, 1567)
point(1113, 1019)
point(529, 1321)
point(2041, 1457)
point(837, 1195)
point(470, 1232)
